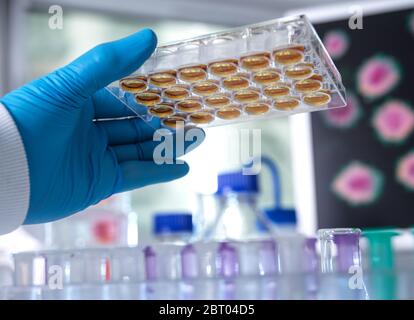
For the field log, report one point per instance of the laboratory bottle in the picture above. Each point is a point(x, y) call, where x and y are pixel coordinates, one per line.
point(171, 258)
point(238, 209)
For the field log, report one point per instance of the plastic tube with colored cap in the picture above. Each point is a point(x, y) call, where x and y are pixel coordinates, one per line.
point(381, 260)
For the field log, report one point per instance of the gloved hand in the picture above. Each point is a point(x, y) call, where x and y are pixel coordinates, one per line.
point(73, 161)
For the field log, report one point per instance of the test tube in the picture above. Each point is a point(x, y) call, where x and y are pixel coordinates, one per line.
point(29, 269)
point(189, 262)
point(163, 270)
point(311, 257)
point(346, 243)
point(290, 246)
point(311, 268)
point(76, 275)
point(150, 263)
point(207, 258)
point(6, 270)
point(227, 270)
point(206, 286)
point(341, 264)
point(381, 255)
point(290, 250)
point(258, 258)
point(71, 264)
point(258, 267)
point(190, 273)
point(381, 261)
point(128, 264)
point(97, 265)
point(228, 261)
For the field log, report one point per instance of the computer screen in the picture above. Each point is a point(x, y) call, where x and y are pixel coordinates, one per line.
point(363, 154)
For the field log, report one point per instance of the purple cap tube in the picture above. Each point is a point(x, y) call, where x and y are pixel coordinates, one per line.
point(189, 262)
point(311, 257)
point(150, 263)
point(228, 262)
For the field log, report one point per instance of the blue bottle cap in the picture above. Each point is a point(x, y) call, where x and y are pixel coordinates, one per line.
point(281, 215)
point(237, 182)
point(173, 222)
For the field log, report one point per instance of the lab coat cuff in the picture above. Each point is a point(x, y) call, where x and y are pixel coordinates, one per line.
point(14, 175)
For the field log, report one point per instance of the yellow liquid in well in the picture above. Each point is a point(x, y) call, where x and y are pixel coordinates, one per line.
point(256, 61)
point(306, 64)
point(288, 56)
point(148, 98)
point(308, 85)
point(236, 82)
point(317, 77)
point(161, 110)
point(317, 99)
point(224, 68)
point(299, 47)
point(266, 77)
point(176, 92)
point(193, 73)
point(163, 79)
point(286, 103)
point(228, 113)
point(327, 91)
point(247, 95)
point(205, 88)
point(201, 117)
point(133, 84)
point(190, 89)
point(256, 108)
point(174, 122)
point(276, 90)
point(298, 72)
point(217, 101)
point(189, 105)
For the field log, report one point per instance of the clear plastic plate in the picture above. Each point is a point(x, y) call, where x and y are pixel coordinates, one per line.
point(271, 69)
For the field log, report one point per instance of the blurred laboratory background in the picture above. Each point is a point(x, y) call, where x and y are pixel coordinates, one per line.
point(347, 168)
point(34, 49)
point(31, 49)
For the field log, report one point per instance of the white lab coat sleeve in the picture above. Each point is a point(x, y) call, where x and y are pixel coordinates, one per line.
point(14, 175)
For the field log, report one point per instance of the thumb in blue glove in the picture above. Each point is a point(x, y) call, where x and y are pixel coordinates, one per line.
point(75, 162)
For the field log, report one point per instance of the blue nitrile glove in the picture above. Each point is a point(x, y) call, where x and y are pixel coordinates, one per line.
point(73, 161)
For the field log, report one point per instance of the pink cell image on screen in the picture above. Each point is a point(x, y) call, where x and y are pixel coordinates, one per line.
point(358, 184)
point(336, 43)
point(405, 171)
point(393, 121)
point(378, 76)
point(345, 117)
